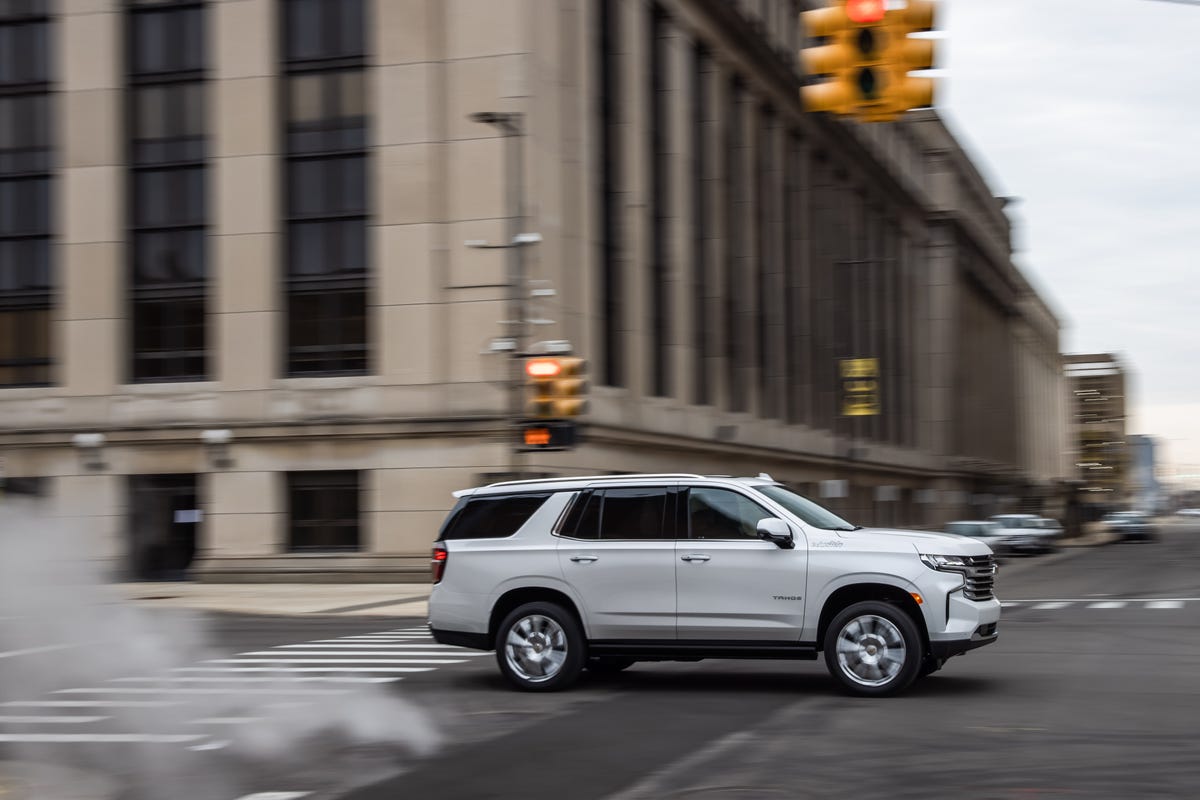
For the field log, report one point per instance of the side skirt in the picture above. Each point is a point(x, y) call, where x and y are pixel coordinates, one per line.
point(694, 650)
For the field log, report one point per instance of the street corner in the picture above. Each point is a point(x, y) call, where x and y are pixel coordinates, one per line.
point(28, 780)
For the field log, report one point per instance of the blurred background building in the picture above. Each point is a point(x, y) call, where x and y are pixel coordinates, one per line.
point(1097, 383)
point(241, 336)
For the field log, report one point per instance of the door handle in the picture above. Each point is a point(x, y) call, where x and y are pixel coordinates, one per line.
point(584, 559)
point(695, 557)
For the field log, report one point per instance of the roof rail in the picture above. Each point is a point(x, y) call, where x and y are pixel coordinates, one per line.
point(569, 478)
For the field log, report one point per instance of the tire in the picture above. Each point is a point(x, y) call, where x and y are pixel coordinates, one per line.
point(608, 666)
point(540, 647)
point(873, 649)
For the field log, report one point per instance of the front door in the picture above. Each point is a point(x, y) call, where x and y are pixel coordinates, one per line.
point(618, 552)
point(163, 516)
point(733, 586)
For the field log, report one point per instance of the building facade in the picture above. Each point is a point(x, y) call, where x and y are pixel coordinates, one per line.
point(1098, 384)
point(241, 336)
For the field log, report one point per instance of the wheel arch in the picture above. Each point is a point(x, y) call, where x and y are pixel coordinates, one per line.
point(521, 595)
point(847, 595)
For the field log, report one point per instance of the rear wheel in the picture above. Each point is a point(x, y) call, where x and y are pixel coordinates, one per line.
point(540, 647)
point(873, 649)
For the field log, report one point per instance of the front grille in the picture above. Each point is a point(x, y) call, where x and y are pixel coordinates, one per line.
point(981, 577)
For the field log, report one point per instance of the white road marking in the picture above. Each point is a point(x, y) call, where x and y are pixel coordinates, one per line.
point(287, 654)
point(52, 720)
point(91, 703)
point(95, 738)
point(227, 720)
point(1009, 605)
point(1051, 606)
point(1164, 604)
point(276, 796)
point(50, 648)
point(333, 662)
point(305, 669)
point(191, 690)
point(397, 640)
point(361, 646)
point(217, 744)
point(201, 679)
point(1108, 604)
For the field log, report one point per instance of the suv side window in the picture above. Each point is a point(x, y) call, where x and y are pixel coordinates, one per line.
point(722, 514)
point(490, 517)
point(620, 514)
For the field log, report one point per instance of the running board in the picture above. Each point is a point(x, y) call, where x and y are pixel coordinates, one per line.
point(694, 650)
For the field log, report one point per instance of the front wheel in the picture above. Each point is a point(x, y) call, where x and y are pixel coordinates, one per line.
point(540, 647)
point(873, 649)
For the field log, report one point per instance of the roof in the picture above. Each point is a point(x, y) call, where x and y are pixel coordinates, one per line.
point(575, 482)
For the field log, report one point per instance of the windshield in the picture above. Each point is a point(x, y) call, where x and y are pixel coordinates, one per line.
point(808, 511)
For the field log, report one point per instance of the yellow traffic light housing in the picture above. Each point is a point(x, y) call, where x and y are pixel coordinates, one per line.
point(557, 387)
point(864, 58)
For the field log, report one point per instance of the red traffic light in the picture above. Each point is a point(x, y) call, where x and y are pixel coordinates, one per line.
point(865, 12)
point(543, 367)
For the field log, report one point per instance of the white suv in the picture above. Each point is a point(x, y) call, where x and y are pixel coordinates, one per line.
point(599, 573)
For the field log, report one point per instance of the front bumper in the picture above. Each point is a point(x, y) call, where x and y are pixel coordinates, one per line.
point(947, 648)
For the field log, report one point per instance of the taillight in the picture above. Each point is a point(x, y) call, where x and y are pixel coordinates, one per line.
point(437, 564)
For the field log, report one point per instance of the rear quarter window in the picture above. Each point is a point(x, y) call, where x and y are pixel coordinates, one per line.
point(490, 517)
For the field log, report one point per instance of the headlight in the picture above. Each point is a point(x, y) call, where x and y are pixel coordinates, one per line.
point(946, 563)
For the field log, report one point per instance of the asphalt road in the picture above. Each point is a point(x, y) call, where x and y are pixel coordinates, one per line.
point(1091, 692)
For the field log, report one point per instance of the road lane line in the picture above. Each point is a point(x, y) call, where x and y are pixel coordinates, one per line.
point(363, 645)
point(276, 796)
point(1108, 604)
point(51, 720)
point(228, 720)
point(1164, 604)
point(50, 648)
point(1050, 606)
point(333, 661)
point(98, 738)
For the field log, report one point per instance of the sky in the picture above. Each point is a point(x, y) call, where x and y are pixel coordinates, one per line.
point(1088, 112)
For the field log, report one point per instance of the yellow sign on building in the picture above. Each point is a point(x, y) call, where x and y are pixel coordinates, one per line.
point(860, 387)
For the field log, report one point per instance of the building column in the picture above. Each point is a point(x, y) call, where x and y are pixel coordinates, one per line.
point(245, 241)
point(681, 253)
point(90, 192)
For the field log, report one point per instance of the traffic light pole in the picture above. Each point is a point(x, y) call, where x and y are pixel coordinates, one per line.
point(510, 123)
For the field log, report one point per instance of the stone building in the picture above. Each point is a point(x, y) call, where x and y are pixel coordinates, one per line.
point(241, 336)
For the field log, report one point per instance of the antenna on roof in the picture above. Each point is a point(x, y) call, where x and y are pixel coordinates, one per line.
point(764, 476)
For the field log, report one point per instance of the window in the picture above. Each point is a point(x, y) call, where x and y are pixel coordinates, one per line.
point(323, 511)
point(722, 514)
point(26, 161)
point(806, 510)
point(609, 165)
point(326, 176)
point(168, 190)
point(620, 514)
point(490, 517)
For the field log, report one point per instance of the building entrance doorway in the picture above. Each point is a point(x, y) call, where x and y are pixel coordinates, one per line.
point(162, 522)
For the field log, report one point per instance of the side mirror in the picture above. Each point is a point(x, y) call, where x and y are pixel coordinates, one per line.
point(777, 531)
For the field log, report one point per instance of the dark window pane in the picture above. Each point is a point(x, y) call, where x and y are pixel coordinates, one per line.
point(633, 514)
point(587, 525)
point(492, 517)
point(303, 29)
point(24, 347)
point(168, 40)
point(24, 206)
point(323, 511)
point(169, 257)
point(169, 197)
point(722, 514)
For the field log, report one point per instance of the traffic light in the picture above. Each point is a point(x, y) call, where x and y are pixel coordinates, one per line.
point(557, 387)
point(864, 58)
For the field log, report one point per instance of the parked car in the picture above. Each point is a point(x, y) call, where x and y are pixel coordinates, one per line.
point(598, 573)
point(1044, 538)
point(995, 536)
point(1131, 525)
point(1188, 512)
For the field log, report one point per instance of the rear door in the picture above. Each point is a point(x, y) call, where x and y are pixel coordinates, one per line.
point(618, 552)
point(733, 586)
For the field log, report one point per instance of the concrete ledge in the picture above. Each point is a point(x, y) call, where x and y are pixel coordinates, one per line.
point(303, 568)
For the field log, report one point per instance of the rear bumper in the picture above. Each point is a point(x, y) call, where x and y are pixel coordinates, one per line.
point(475, 641)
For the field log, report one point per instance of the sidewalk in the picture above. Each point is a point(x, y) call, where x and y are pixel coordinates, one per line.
point(28, 780)
point(299, 599)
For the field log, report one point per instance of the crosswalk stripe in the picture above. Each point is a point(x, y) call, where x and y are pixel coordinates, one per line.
point(246, 679)
point(51, 720)
point(340, 653)
point(91, 703)
point(281, 670)
point(1108, 604)
point(193, 690)
point(100, 738)
point(365, 646)
point(276, 796)
point(333, 662)
point(1049, 606)
point(1164, 604)
point(228, 720)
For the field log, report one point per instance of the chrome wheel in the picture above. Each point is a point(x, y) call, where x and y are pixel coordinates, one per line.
point(871, 650)
point(535, 648)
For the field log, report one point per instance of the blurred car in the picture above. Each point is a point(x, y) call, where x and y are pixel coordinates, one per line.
point(1035, 536)
point(1188, 512)
point(1130, 525)
point(1002, 542)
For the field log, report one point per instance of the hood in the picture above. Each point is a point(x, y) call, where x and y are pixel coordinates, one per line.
point(926, 542)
